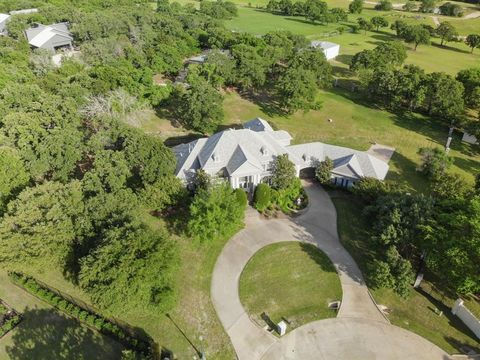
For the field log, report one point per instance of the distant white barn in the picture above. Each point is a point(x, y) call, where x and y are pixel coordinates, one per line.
point(3, 22)
point(331, 50)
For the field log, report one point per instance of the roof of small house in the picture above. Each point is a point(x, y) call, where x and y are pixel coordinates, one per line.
point(23, 11)
point(4, 17)
point(323, 44)
point(248, 151)
point(40, 34)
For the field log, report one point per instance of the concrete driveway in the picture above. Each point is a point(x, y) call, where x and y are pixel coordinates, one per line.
point(359, 324)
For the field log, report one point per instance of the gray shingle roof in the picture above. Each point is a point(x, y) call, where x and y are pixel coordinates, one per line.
point(248, 151)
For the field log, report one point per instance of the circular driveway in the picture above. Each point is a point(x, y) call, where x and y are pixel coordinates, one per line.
point(360, 331)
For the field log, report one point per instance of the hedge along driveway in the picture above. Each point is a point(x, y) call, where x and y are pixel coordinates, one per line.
point(45, 334)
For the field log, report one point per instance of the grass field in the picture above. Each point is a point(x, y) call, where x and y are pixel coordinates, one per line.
point(45, 334)
point(449, 59)
point(418, 312)
point(357, 124)
point(289, 280)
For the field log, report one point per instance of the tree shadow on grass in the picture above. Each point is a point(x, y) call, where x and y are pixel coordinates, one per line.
point(265, 101)
point(318, 256)
point(382, 36)
point(303, 21)
point(46, 335)
point(453, 321)
point(451, 48)
point(344, 59)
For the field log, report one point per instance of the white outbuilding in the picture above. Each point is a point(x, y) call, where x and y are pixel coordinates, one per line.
point(331, 50)
point(3, 22)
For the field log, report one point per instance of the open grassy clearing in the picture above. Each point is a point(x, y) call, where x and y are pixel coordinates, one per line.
point(45, 334)
point(290, 280)
point(417, 313)
point(357, 124)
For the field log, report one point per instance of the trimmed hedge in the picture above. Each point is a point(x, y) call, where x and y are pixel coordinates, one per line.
point(93, 320)
point(241, 197)
point(262, 197)
point(10, 323)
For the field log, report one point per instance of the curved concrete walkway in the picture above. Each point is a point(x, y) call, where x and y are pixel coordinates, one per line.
point(359, 323)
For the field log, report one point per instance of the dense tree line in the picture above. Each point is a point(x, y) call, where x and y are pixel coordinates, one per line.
point(312, 10)
point(75, 179)
point(280, 64)
point(409, 87)
point(439, 232)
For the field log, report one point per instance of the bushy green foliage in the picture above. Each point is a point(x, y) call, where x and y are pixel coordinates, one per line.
point(356, 6)
point(283, 172)
point(219, 9)
point(241, 197)
point(470, 79)
point(13, 175)
point(446, 32)
point(214, 213)
point(369, 189)
point(435, 161)
point(262, 197)
point(450, 9)
point(473, 41)
point(199, 107)
point(384, 5)
point(385, 55)
point(323, 172)
point(379, 22)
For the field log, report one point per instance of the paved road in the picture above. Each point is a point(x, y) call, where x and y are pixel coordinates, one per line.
point(318, 225)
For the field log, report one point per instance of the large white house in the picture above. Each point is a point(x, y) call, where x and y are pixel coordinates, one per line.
point(245, 156)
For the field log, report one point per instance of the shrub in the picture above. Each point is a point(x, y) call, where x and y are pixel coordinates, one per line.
point(241, 197)
point(435, 161)
point(324, 170)
point(384, 5)
point(262, 197)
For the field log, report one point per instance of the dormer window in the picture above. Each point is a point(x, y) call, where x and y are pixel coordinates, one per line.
point(264, 151)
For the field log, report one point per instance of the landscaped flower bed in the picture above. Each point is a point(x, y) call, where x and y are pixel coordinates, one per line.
point(9, 318)
point(91, 319)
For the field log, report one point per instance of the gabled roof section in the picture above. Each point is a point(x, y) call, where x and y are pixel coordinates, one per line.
point(242, 162)
point(41, 34)
point(348, 166)
point(3, 17)
point(323, 44)
point(258, 124)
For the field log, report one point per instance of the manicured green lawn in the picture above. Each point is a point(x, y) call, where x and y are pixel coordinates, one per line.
point(45, 334)
point(290, 280)
point(417, 313)
point(449, 59)
point(357, 124)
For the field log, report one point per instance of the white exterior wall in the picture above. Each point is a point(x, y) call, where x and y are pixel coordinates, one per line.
point(467, 317)
point(3, 25)
point(332, 52)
